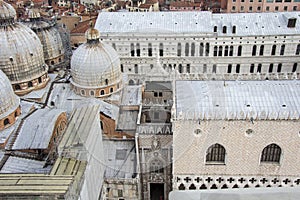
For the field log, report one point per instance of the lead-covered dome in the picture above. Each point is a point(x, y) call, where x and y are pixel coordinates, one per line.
point(50, 38)
point(9, 103)
point(21, 53)
point(95, 67)
point(6, 11)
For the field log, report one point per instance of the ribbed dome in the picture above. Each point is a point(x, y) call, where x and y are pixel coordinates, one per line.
point(21, 53)
point(94, 62)
point(48, 35)
point(6, 11)
point(9, 102)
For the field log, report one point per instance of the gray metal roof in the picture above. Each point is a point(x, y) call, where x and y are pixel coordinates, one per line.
point(132, 95)
point(158, 85)
point(127, 120)
point(37, 130)
point(24, 165)
point(120, 158)
point(238, 99)
point(64, 98)
point(197, 23)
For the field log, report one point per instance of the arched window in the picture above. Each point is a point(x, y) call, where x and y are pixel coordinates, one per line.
point(179, 49)
point(132, 49)
point(138, 49)
point(106, 81)
point(40, 79)
point(231, 51)
point(254, 50)
point(234, 29)
point(297, 50)
point(82, 92)
point(156, 166)
point(161, 49)
point(17, 87)
point(224, 29)
point(193, 49)
point(207, 49)
point(294, 67)
point(215, 154)
point(122, 68)
point(220, 51)
point(273, 50)
point(271, 153)
point(215, 29)
point(201, 49)
point(239, 51)
point(187, 49)
point(102, 92)
point(229, 68)
point(149, 49)
point(215, 50)
point(131, 82)
point(237, 69)
point(180, 68)
point(30, 84)
point(92, 93)
point(261, 50)
point(226, 51)
point(6, 121)
point(282, 48)
point(111, 90)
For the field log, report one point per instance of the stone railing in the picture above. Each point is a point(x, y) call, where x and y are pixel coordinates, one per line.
point(203, 182)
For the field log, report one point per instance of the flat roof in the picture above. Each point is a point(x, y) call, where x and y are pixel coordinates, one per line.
point(263, 100)
point(132, 95)
point(200, 23)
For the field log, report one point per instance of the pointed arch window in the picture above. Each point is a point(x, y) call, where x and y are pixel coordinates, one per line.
point(215, 154)
point(271, 153)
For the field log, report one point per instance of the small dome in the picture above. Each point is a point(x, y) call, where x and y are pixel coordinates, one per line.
point(6, 11)
point(23, 60)
point(23, 57)
point(92, 34)
point(95, 64)
point(9, 102)
point(49, 37)
point(92, 63)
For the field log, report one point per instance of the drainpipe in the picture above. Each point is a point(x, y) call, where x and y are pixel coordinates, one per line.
point(138, 164)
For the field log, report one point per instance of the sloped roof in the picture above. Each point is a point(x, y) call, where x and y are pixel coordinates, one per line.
point(37, 129)
point(262, 100)
point(247, 24)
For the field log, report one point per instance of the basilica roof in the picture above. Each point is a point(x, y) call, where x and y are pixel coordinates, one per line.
point(9, 102)
point(21, 55)
point(200, 23)
point(6, 11)
point(47, 33)
point(238, 100)
point(94, 61)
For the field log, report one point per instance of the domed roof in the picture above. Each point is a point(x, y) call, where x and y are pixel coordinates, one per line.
point(94, 61)
point(47, 33)
point(9, 102)
point(22, 60)
point(6, 11)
